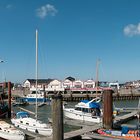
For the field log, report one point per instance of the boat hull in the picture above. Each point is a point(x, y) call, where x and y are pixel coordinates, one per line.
point(11, 137)
point(35, 129)
point(9, 132)
point(33, 100)
point(78, 115)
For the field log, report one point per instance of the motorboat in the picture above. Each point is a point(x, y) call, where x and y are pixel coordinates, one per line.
point(9, 132)
point(31, 97)
point(85, 111)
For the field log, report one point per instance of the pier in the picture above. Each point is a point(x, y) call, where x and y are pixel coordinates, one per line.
point(125, 118)
point(84, 130)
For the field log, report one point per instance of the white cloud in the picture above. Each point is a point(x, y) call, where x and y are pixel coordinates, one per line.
point(9, 6)
point(46, 10)
point(132, 30)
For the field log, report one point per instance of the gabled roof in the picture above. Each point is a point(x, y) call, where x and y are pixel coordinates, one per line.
point(41, 81)
point(70, 78)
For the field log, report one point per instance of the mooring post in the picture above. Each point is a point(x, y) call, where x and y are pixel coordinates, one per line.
point(9, 99)
point(44, 92)
point(57, 117)
point(107, 109)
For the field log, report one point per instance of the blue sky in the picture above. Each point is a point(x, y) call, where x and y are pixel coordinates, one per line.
point(73, 35)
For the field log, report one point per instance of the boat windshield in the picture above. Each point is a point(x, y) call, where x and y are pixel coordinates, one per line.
point(78, 108)
point(86, 110)
point(22, 115)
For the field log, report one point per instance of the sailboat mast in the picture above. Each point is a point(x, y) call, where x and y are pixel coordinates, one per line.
point(36, 75)
point(97, 72)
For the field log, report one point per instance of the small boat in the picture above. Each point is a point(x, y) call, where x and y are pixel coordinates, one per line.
point(9, 132)
point(85, 111)
point(125, 133)
point(24, 121)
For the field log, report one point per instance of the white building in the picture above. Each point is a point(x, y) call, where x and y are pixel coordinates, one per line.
point(55, 85)
point(48, 84)
point(67, 84)
point(78, 84)
point(89, 84)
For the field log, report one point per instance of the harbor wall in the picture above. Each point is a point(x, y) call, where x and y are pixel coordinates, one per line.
point(122, 94)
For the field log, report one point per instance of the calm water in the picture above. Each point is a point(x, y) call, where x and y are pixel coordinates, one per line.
point(45, 111)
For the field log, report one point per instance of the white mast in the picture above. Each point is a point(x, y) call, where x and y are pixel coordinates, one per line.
point(97, 73)
point(36, 75)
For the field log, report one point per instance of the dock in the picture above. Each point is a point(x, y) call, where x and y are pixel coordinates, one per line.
point(79, 132)
point(126, 117)
point(86, 127)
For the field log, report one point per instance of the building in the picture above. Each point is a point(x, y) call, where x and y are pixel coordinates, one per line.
point(41, 83)
point(48, 84)
point(89, 84)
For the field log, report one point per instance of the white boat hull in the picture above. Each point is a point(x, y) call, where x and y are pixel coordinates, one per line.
point(11, 136)
point(79, 115)
point(9, 132)
point(35, 129)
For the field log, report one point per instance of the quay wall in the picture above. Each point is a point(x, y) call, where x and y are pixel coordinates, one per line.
point(122, 94)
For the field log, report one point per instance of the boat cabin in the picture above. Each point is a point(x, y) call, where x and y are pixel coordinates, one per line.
point(88, 107)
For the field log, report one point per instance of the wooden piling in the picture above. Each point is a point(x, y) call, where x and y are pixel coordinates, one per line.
point(44, 91)
point(57, 117)
point(9, 99)
point(107, 109)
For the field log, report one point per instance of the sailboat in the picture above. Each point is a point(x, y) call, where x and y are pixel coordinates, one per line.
point(23, 119)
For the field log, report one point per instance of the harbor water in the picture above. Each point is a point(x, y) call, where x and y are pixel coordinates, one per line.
point(45, 112)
